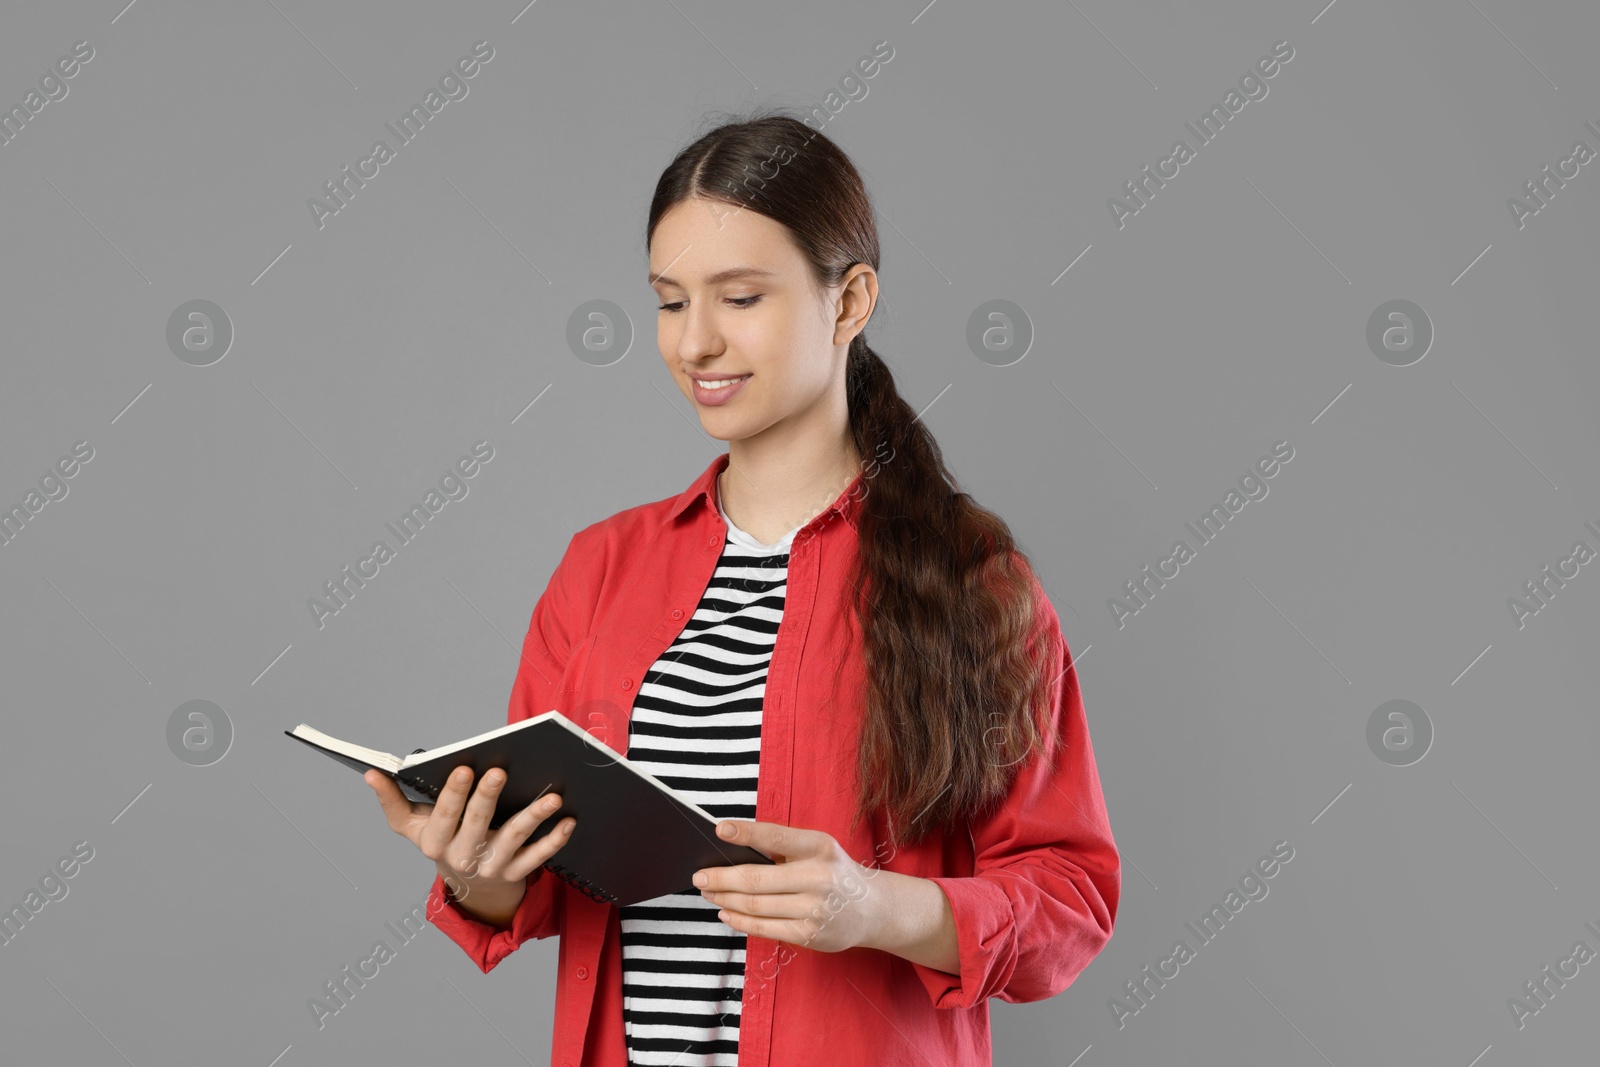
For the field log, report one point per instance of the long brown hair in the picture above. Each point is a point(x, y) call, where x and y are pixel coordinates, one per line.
point(954, 683)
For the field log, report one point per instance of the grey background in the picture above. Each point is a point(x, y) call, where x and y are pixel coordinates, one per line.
point(1227, 315)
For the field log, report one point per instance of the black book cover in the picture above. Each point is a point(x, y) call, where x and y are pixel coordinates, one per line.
point(635, 837)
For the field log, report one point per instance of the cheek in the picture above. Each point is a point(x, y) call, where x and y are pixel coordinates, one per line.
point(667, 343)
point(794, 349)
point(810, 371)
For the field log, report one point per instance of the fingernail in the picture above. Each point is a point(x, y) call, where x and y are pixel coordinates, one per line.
point(725, 829)
point(700, 878)
point(495, 777)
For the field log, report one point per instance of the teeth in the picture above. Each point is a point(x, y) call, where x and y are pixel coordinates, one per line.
point(719, 383)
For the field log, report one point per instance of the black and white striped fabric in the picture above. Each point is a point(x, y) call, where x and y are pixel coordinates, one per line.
point(696, 725)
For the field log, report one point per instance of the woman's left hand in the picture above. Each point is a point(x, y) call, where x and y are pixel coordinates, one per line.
point(816, 895)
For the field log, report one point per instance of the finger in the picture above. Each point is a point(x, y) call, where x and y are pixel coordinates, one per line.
point(514, 834)
point(752, 878)
point(440, 829)
point(776, 840)
point(756, 926)
point(762, 905)
point(532, 857)
point(481, 805)
point(795, 932)
point(399, 811)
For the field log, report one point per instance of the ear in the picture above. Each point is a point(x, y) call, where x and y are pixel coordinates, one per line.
point(858, 295)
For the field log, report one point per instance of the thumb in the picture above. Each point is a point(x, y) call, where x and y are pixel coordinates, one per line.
point(396, 808)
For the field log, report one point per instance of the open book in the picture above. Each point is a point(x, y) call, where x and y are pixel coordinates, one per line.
point(635, 838)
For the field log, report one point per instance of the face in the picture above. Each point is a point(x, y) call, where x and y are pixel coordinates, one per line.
point(770, 324)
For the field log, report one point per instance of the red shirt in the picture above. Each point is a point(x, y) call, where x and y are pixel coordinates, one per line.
point(1033, 888)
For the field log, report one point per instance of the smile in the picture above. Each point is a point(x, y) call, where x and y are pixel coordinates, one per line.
point(718, 390)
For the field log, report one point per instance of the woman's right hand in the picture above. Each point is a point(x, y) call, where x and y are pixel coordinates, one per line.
point(486, 872)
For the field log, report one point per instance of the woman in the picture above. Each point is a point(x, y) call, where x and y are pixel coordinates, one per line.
point(827, 646)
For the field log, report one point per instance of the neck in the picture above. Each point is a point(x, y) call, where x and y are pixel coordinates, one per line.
point(768, 493)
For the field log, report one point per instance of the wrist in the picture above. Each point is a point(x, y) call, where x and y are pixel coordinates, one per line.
point(494, 905)
point(914, 921)
point(895, 899)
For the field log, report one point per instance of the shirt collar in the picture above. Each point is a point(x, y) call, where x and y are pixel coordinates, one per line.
point(702, 492)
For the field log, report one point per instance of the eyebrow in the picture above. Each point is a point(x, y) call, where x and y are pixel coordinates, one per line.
point(721, 276)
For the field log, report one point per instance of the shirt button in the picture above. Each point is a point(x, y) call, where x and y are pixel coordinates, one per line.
point(677, 613)
point(627, 683)
point(583, 972)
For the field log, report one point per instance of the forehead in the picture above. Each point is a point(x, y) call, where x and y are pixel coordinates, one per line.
point(706, 241)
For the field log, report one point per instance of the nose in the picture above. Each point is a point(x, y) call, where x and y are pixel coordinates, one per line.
point(699, 337)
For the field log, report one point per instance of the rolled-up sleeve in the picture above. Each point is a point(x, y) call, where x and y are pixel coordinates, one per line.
point(1042, 900)
point(539, 915)
point(560, 620)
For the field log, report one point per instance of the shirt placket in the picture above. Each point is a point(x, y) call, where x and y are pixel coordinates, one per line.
point(669, 617)
point(774, 784)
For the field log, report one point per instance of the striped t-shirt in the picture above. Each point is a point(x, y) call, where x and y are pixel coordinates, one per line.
point(696, 725)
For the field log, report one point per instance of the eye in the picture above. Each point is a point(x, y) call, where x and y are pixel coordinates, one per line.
point(739, 302)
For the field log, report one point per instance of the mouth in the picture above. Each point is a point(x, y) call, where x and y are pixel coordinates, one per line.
point(715, 391)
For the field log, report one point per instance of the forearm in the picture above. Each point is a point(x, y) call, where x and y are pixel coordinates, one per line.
point(915, 921)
